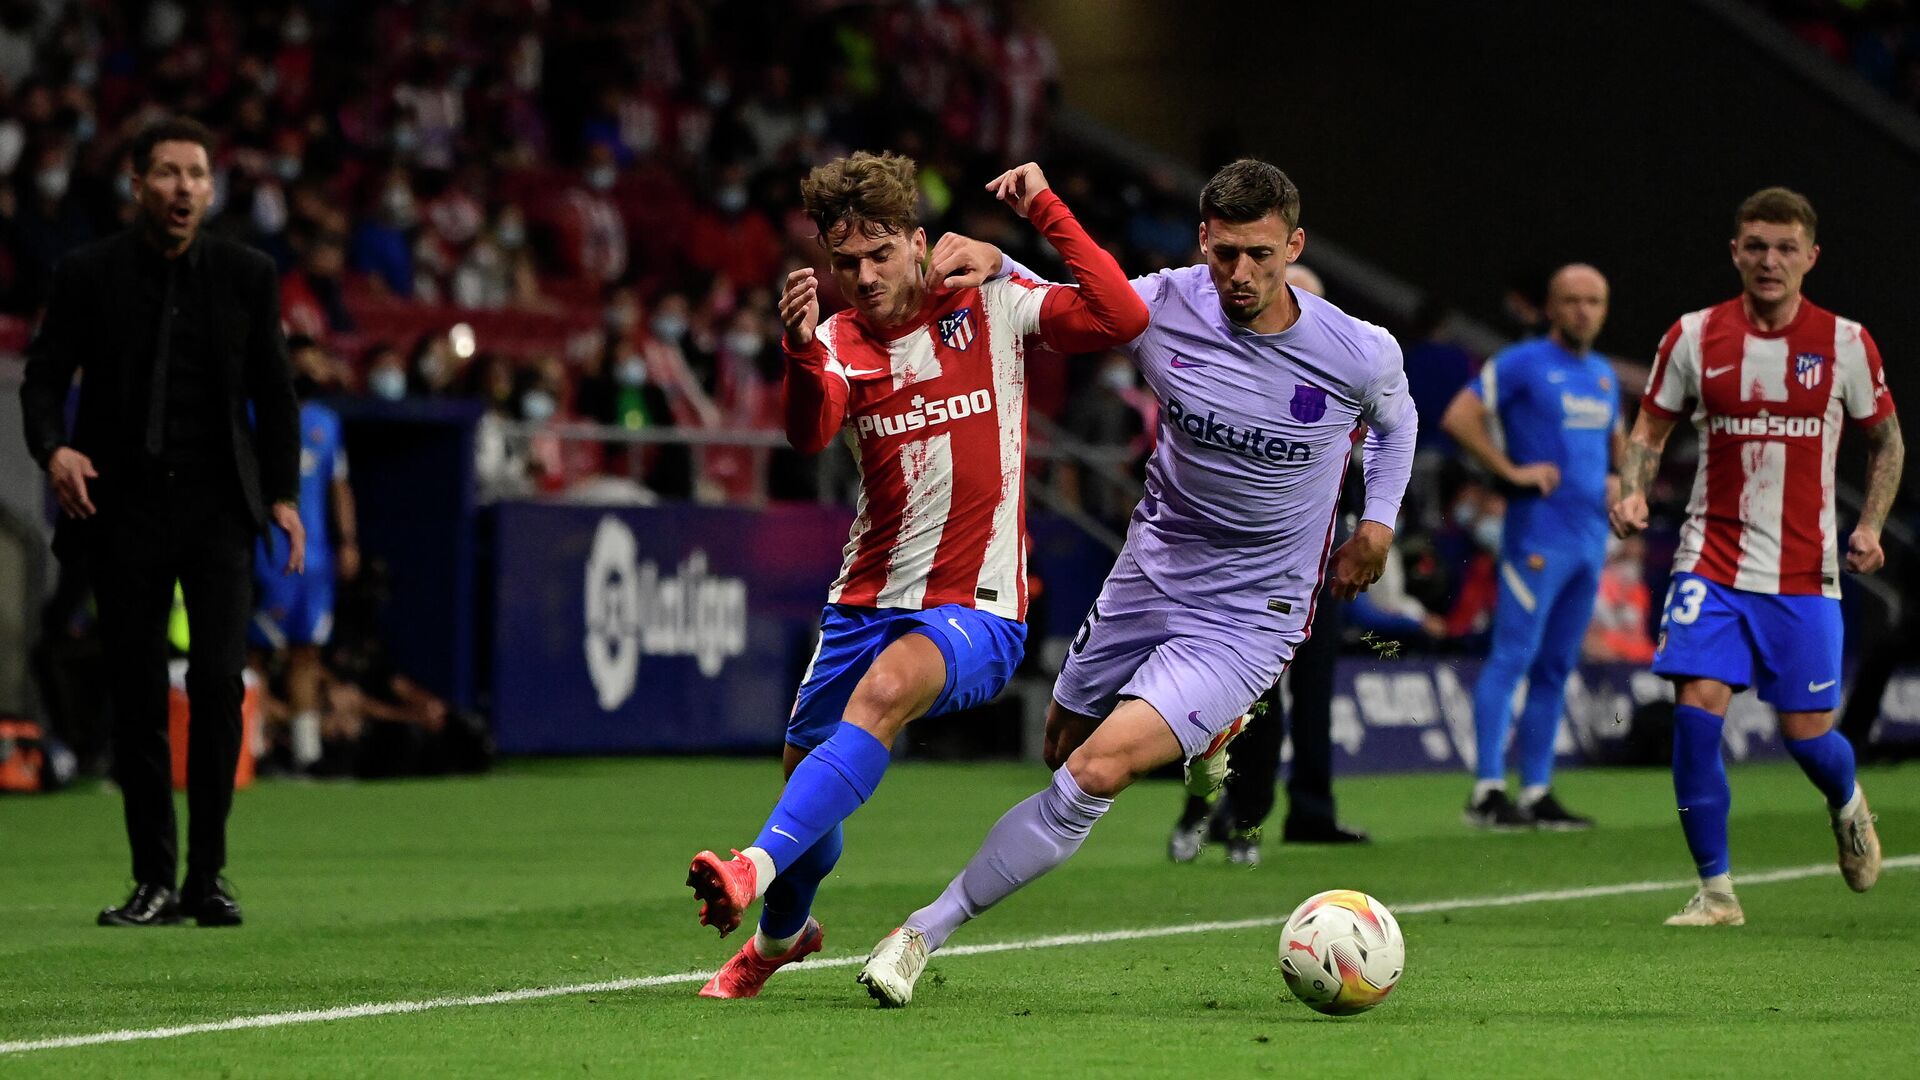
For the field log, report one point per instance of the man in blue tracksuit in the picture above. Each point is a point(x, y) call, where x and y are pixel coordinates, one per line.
point(1553, 404)
point(295, 612)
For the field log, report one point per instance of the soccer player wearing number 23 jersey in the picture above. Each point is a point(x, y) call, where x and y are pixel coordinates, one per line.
point(1767, 379)
point(927, 384)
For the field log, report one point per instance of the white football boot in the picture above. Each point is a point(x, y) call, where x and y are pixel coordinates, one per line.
point(1859, 843)
point(1186, 842)
point(1710, 909)
point(893, 966)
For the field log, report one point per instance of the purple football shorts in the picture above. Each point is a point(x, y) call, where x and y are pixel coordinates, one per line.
point(1200, 671)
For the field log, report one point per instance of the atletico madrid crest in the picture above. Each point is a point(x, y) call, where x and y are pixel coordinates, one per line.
point(1807, 368)
point(956, 330)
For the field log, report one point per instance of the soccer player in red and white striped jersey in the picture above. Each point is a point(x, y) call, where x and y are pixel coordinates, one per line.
point(1768, 379)
point(928, 386)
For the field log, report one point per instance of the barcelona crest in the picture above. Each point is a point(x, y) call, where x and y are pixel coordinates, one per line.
point(1309, 403)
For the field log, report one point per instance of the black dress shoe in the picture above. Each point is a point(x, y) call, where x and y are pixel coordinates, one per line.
point(210, 903)
point(149, 905)
point(1321, 831)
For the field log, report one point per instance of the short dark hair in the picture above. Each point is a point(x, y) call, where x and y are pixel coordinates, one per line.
point(1777, 206)
point(875, 193)
point(171, 129)
point(1248, 190)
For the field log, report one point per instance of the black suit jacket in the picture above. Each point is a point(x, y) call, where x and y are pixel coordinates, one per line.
point(86, 329)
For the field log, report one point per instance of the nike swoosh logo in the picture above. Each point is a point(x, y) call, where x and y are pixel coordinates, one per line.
point(1815, 688)
point(1179, 363)
point(1194, 716)
point(783, 832)
point(955, 623)
point(854, 373)
point(1716, 372)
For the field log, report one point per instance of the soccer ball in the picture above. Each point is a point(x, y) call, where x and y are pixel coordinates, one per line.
point(1342, 952)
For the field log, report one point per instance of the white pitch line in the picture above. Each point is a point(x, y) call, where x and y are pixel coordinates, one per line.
point(508, 997)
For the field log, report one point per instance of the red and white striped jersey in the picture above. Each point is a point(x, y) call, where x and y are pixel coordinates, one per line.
point(1768, 407)
point(937, 421)
point(936, 414)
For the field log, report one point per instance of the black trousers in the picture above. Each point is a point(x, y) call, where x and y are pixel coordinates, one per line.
point(1255, 756)
point(155, 527)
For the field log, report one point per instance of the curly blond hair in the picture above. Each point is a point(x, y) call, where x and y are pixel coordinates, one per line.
point(875, 193)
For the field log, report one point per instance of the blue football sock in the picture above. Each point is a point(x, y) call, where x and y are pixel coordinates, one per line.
point(1700, 787)
point(789, 899)
point(1828, 762)
point(830, 784)
point(1539, 725)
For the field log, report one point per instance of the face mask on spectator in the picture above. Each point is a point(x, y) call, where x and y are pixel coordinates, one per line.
point(86, 72)
point(13, 139)
point(287, 167)
point(731, 199)
point(601, 177)
point(717, 93)
point(388, 384)
point(743, 343)
point(123, 185)
point(1117, 377)
point(85, 127)
point(405, 139)
point(431, 368)
point(511, 234)
point(669, 328)
point(1486, 533)
point(52, 183)
point(295, 31)
point(398, 204)
point(269, 210)
point(632, 370)
point(537, 406)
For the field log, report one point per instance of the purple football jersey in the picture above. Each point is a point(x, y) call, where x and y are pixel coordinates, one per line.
point(1255, 434)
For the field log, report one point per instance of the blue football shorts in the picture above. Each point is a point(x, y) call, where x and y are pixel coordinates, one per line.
point(292, 609)
point(981, 651)
point(1786, 647)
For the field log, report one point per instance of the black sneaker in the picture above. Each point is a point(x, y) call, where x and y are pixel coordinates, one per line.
point(149, 905)
point(209, 902)
point(1243, 847)
point(1495, 811)
point(1549, 814)
point(1321, 831)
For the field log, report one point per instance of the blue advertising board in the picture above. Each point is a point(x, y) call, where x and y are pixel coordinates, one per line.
point(638, 629)
point(685, 628)
point(1417, 713)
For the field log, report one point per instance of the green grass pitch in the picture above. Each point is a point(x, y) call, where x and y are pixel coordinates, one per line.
point(562, 873)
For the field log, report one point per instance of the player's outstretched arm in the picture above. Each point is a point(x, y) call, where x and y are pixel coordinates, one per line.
point(1637, 468)
point(1104, 312)
point(816, 392)
point(1886, 455)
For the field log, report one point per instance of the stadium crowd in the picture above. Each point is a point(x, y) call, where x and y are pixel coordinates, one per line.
point(1878, 40)
point(599, 199)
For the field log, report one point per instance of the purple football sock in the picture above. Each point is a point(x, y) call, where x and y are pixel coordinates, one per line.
point(1029, 840)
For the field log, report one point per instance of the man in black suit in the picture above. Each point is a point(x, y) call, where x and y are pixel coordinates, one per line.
point(164, 477)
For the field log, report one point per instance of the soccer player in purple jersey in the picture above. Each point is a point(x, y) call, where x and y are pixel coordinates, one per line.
point(1263, 391)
